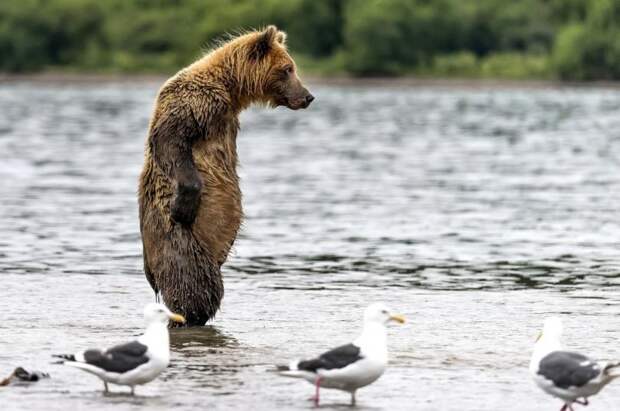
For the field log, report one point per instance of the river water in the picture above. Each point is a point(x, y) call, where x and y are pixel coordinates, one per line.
point(475, 212)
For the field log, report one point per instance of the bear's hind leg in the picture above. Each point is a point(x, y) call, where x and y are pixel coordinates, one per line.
point(194, 289)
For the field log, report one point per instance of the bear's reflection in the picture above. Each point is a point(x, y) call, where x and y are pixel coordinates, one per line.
point(207, 357)
point(183, 340)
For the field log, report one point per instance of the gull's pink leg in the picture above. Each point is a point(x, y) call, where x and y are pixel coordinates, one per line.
point(316, 394)
point(564, 407)
point(583, 402)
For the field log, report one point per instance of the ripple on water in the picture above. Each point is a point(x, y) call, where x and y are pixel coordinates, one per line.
point(475, 212)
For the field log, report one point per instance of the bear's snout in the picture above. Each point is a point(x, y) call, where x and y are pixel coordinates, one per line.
point(299, 102)
point(302, 102)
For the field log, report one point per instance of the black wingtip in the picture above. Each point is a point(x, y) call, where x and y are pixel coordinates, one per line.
point(612, 366)
point(281, 368)
point(65, 357)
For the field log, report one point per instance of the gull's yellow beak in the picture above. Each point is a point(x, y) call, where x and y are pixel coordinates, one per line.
point(177, 318)
point(398, 318)
point(539, 336)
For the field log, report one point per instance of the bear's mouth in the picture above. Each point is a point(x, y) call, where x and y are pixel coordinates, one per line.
point(297, 103)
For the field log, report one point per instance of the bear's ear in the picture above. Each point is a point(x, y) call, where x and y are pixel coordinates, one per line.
point(264, 42)
point(281, 37)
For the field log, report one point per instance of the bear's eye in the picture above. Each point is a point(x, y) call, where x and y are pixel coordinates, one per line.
point(288, 70)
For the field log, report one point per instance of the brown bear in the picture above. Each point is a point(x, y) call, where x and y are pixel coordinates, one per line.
point(189, 196)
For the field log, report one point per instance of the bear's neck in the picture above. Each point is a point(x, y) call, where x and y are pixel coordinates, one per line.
point(222, 66)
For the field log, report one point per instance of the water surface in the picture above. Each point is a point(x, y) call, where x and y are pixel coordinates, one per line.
point(476, 213)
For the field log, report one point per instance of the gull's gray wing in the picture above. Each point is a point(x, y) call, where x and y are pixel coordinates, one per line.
point(339, 357)
point(120, 358)
point(568, 369)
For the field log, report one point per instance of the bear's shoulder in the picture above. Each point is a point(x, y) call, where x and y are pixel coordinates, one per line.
point(192, 95)
point(195, 85)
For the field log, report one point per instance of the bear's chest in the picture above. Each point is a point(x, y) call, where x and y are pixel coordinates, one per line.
point(216, 159)
point(220, 213)
point(216, 153)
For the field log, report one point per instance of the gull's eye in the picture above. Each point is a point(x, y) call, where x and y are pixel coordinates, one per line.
point(384, 312)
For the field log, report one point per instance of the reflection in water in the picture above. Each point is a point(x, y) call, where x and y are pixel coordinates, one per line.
point(206, 356)
point(188, 340)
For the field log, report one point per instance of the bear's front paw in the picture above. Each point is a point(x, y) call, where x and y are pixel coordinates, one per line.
point(185, 204)
point(183, 213)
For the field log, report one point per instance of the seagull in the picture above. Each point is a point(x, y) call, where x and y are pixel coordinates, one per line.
point(136, 362)
point(351, 366)
point(569, 376)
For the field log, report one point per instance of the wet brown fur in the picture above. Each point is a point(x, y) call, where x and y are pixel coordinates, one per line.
point(189, 196)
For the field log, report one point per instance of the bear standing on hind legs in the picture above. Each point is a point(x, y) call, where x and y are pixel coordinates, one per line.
point(189, 196)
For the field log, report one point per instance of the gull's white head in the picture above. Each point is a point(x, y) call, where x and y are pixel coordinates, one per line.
point(552, 330)
point(548, 340)
point(154, 313)
point(379, 313)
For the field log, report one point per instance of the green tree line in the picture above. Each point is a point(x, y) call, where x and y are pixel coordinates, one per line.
point(565, 39)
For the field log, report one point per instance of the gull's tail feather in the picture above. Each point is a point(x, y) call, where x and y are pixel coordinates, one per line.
point(64, 358)
point(612, 369)
point(292, 370)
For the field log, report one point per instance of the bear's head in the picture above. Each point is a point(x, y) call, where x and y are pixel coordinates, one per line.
point(266, 73)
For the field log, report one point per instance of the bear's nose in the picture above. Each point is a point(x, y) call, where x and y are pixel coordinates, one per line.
point(309, 99)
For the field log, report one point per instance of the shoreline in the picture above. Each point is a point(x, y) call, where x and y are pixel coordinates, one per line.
point(406, 81)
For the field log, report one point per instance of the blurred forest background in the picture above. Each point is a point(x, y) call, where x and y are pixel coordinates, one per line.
point(515, 39)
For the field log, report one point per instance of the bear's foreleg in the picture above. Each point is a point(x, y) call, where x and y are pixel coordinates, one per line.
point(171, 139)
point(186, 200)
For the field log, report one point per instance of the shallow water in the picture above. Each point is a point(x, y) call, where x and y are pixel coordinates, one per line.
point(474, 212)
